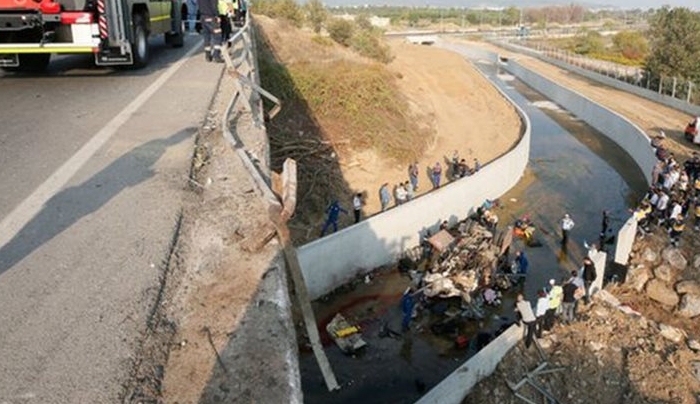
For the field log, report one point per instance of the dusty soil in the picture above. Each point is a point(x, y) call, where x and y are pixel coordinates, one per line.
point(607, 358)
point(465, 111)
point(447, 98)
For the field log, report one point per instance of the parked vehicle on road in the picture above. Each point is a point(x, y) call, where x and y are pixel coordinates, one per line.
point(115, 31)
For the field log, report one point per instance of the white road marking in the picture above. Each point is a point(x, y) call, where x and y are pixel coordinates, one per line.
point(25, 211)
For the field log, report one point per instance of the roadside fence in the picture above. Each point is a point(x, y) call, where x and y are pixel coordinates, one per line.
point(674, 87)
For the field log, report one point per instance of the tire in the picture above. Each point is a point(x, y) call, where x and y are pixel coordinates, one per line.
point(139, 46)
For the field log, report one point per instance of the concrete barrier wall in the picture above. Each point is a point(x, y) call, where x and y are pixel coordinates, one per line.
point(625, 240)
point(330, 262)
point(609, 81)
point(455, 387)
point(616, 127)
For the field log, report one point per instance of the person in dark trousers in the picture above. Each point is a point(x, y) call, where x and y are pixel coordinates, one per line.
point(333, 212)
point(407, 305)
point(226, 9)
point(589, 276)
point(357, 206)
point(524, 309)
point(568, 302)
point(211, 30)
point(566, 225)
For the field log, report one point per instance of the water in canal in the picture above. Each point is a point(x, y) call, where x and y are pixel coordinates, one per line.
point(572, 169)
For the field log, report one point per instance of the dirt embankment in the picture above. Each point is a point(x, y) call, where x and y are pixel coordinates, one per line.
point(431, 98)
point(648, 115)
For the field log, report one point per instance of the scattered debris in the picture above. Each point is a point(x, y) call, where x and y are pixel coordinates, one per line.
point(345, 335)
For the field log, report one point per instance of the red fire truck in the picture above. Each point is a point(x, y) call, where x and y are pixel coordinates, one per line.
point(115, 31)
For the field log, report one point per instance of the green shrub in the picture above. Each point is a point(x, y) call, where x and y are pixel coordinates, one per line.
point(341, 31)
point(286, 9)
point(371, 45)
point(316, 14)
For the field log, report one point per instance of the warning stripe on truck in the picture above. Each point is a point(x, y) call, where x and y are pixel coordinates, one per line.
point(46, 48)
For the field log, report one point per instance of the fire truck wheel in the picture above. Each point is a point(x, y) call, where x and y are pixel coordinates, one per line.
point(140, 44)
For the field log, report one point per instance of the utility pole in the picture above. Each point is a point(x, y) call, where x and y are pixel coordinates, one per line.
point(520, 23)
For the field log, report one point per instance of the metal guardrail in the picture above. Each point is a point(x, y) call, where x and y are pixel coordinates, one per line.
point(244, 70)
point(680, 89)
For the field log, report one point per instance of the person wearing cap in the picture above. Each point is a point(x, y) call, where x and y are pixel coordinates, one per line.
point(554, 310)
point(566, 225)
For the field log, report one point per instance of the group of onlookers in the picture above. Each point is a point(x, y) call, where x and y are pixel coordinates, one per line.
point(667, 204)
point(556, 301)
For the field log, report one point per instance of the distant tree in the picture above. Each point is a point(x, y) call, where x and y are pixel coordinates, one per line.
point(316, 14)
point(674, 36)
point(511, 16)
point(631, 44)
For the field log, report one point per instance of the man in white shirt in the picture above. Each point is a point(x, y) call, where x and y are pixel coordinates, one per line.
point(566, 225)
point(357, 206)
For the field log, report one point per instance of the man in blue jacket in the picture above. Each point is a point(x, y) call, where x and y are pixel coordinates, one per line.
point(333, 212)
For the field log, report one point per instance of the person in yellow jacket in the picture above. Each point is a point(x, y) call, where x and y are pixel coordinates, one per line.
point(697, 215)
point(226, 12)
point(555, 294)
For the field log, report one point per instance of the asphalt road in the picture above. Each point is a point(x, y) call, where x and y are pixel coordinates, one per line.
point(94, 165)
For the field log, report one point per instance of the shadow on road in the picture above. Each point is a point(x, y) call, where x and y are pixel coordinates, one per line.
point(72, 204)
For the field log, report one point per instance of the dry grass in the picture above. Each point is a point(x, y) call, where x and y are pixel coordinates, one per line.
point(335, 104)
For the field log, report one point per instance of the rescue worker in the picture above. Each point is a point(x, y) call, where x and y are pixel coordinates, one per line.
point(697, 216)
point(226, 9)
point(211, 30)
point(555, 295)
point(333, 211)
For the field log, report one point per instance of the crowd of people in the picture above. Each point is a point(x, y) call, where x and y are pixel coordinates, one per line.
point(674, 191)
point(556, 302)
point(405, 191)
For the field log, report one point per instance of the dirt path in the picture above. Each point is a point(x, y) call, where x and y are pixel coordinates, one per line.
point(465, 111)
point(648, 115)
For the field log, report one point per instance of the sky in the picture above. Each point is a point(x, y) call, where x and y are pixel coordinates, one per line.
point(626, 4)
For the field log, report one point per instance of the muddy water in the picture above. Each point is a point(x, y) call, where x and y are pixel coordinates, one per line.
point(572, 169)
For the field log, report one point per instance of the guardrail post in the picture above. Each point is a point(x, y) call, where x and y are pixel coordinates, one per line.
point(661, 84)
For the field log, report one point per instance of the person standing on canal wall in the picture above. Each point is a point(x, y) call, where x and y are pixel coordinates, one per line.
point(589, 276)
point(436, 175)
point(566, 225)
point(384, 196)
